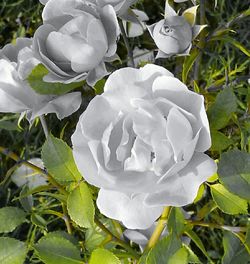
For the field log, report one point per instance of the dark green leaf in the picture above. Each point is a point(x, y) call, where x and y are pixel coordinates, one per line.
point(220, 141)
point(164, 250)
point(188, 63)
point(234, 172)
point(234, 251)
point(219, 113)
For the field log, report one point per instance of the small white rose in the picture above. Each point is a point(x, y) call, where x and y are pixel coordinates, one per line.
point(142, 142)
point(76, 40)
point(16, 96)
point(24, 175)
point(173, 35)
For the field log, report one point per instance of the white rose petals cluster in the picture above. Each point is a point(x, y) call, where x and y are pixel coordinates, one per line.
point(142, 142)
point(76, 40)
point(16, 96)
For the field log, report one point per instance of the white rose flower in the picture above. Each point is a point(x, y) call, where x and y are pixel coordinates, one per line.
point(76, 40)
point(173, 35)
point(24, 175)
point(142, 142)
point(16, 96)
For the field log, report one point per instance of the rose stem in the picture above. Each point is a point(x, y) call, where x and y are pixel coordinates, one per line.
point(117, 240)
point(201, 44)
point(124, 35)
point(159, 228)
point(16, 158)
point(44, 125)
point(214, 225)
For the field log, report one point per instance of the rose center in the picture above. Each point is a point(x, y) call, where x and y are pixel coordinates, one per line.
point(166, 30)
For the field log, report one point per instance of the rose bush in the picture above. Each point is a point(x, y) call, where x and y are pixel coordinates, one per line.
point(16, 96)
point(142, 142)
point(173, 35)
point(76, 40)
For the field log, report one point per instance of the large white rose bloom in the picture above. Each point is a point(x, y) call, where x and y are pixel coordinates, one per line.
point(16, 96)
point(142, 142)
point(76, 40)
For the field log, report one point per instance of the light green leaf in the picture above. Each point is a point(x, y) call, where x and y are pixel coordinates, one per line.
point(220, 141)
point(35, 80)
point(53, 249)
point(234, 172)
point(180, 256)
point(103, 256)
point(190, 14)
point(58, 159)
point(10, 218)
point(227, 202)
point(80, 206)
point(234, 251)
point(12, 251)
point(192, 258)
point(219, 113)
point(164, 250)
point(188, 63)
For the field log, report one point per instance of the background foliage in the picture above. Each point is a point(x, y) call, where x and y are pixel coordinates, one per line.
point(218, 68)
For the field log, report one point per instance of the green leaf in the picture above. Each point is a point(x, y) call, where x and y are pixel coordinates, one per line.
point(192, 258)
point(227, 202)
point(198, 242)
point(80, 206)
point(180, 256)
point(219, 113)
point(7, 125)
point(220, 141)
point(164, 250)
point(103, 256)
point(99, 86)
point(234, 251)
point(53, 249)
point(12, 251)
point(58, 159)
point(35, 80)
point(10, 218)
point(188, 63)
point(176, 221)
point(234, 172)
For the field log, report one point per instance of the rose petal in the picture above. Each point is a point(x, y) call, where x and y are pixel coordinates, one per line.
point(130, 210)
point(183, 187)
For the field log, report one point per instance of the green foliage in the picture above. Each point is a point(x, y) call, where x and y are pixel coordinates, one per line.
point(10, 218)
point(217, 68)
point(58, 159)
point(234, 251)
point(53, 249)
point(103, 256)
point(234, 172)
point(80, 206)
point(12, 251)
point(227, 202)
point(35, 80)
point(165, 250)
point(221, 111)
